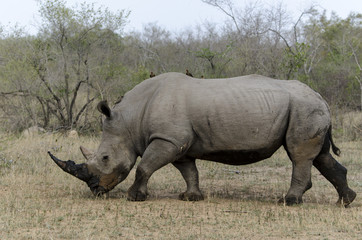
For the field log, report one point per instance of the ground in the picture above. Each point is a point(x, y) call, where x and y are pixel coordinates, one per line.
point(39, 201)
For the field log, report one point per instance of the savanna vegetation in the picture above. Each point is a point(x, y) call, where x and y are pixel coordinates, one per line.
point(82, 55)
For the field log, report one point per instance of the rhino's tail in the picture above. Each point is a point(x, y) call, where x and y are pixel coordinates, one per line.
point(335, 149)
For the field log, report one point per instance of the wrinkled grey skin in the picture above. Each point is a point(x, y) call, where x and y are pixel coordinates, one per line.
point(176, 119)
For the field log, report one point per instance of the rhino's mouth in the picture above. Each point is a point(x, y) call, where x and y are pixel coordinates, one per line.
point(95, 188)
point(99, 191)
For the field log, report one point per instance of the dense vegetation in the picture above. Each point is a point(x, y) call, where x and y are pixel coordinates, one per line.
point(81, 55)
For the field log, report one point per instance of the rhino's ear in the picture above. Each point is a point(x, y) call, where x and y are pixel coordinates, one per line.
point(103, 108)
point(86, 153)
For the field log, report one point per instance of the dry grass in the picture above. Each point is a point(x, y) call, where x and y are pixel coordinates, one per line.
point(347, 125)
point(39, 201)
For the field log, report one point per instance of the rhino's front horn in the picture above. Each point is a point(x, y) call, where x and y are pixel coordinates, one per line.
point(79, 171)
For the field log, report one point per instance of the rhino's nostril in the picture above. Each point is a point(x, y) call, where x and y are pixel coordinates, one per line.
point(105, 158)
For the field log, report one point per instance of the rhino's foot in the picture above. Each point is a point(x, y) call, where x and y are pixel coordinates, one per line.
point(290, 200)
point(136, 196)
point(347, 198)
point(191, 196)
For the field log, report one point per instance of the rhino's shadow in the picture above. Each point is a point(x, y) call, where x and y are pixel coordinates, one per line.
point(230, 194)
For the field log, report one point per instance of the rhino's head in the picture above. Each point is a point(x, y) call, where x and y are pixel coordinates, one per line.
point(113, 160)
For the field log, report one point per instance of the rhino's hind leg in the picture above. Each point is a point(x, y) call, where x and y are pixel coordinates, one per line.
point(301, 153)
point(188, 169)
point(301, 182)
point(336, 174)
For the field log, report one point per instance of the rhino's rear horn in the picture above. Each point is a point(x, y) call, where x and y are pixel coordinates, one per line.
point(79, 171)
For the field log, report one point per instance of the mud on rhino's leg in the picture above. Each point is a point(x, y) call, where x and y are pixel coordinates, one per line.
point(336, 174)
point(300, 183)
point(188, 169)
point(301, 153)
point(158, 154)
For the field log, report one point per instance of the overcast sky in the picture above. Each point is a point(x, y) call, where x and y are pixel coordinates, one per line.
point(174, 15)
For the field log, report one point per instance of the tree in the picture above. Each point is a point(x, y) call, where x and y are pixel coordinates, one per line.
point(355, 45)
point(81, 54)
point(334, 57)
point(74, 53)
point(217, 60)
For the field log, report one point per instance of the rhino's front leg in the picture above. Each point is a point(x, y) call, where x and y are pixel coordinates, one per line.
point(158, 154)
point(188, 169)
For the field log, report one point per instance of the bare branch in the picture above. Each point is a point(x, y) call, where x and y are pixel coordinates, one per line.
point(75, 94)
point(309, 11)
point(83, 108)
point(285, 40)
point(355, 56)
point(56, 98)
point(219, 4)
point(16, 93)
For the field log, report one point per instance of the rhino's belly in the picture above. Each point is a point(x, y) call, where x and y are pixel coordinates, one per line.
point(237, 157)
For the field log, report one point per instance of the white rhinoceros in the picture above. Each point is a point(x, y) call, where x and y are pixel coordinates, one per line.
point(174, 118)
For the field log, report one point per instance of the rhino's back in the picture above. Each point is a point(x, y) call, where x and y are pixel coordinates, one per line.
point(245, 116)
